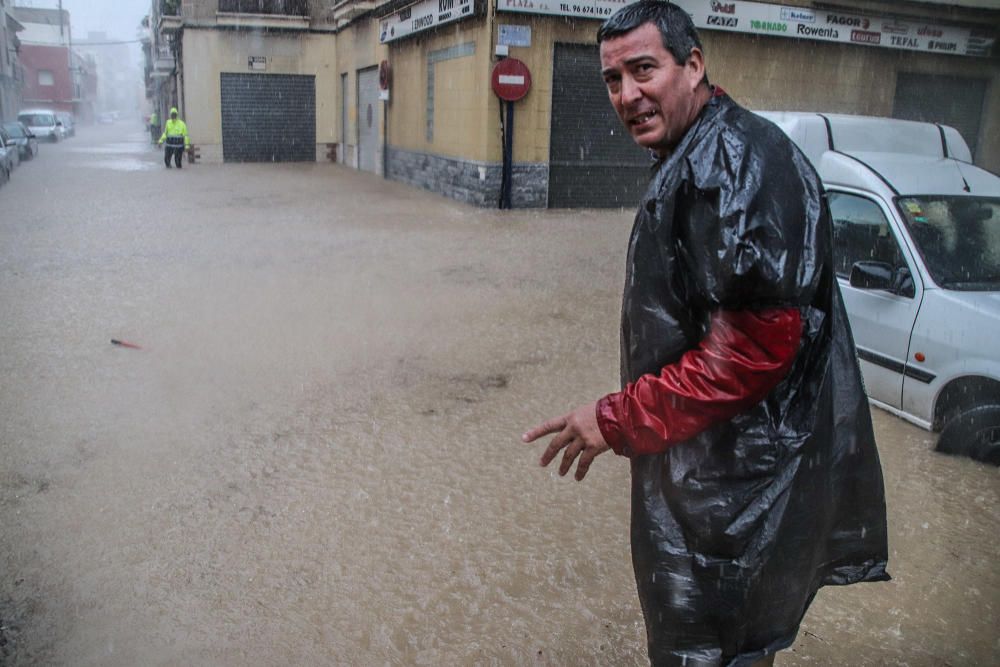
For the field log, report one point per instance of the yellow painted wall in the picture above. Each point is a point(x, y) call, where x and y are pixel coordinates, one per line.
point(532, 115)
point(207, 53)
point(463, 102)
point(760, 73)
point(357, 49)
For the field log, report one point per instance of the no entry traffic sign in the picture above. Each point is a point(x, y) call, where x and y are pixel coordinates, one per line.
point(511, 79)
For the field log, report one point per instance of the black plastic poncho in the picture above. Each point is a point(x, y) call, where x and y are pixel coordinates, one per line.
point(735, 529)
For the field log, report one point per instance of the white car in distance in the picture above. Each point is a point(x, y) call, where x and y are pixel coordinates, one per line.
point(916, 233)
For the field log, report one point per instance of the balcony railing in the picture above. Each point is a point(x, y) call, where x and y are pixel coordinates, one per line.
point(272, 7)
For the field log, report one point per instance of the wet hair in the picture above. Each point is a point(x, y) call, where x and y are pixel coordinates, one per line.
point(675, 25)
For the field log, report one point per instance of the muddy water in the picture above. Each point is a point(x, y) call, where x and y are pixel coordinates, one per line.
point(314, 457)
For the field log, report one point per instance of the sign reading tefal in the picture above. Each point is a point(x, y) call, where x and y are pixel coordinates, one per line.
point(767, 19)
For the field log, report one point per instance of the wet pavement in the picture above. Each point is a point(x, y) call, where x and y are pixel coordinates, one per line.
point(314, 458)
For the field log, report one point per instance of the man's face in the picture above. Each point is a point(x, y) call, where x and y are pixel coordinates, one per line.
point(656, 98)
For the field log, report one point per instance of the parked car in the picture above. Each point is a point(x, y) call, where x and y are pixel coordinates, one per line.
point(105, 118)
point(916, 232)
point(42, 123)
point(13, 155)
point(6, 161)
point(27, 144)
point(68, 123)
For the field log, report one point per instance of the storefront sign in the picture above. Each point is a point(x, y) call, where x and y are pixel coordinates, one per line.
point(768, 19)
point(514, 35)
point(257, 63)
point(421, 16)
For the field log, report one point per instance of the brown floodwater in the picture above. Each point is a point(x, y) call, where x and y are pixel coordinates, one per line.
point(314, 457)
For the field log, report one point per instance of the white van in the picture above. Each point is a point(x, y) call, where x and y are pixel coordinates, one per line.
point(43, 123)
point(916, 230)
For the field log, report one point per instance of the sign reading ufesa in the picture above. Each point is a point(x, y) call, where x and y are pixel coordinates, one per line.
point(799, 22)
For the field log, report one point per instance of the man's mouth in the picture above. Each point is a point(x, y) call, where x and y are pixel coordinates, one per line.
point(641, 119)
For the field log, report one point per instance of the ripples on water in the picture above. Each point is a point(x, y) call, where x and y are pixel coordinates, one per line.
point(314, 459)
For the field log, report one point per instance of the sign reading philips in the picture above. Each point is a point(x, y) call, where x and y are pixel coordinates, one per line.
point(779, 21)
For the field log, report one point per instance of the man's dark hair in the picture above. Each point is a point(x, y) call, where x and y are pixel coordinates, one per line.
point(675, 26)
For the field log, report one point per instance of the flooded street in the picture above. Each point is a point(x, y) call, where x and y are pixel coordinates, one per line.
point(314, 457)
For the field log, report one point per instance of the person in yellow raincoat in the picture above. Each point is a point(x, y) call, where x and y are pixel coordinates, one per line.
point(175, 133)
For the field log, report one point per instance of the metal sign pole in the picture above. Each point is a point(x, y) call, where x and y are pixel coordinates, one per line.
point(508, 153)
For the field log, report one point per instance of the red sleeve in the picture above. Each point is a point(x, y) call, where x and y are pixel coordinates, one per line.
point(742, 358)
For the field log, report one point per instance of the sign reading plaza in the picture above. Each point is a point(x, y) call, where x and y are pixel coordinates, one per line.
point(802, 23)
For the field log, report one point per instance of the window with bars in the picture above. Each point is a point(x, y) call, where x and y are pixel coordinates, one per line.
point(287, 7)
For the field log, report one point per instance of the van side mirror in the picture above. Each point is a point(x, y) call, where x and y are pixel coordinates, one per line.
point(871, 275)
point(881, 275)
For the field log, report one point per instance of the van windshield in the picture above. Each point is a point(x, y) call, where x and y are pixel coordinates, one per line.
point(37, 119)
point(958, 237)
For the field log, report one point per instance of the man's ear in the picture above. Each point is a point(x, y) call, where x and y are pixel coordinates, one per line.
point(694, 68)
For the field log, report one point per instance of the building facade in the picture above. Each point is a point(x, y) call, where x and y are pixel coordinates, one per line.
point(45, 55)
point(55, 76)
point(11, 71)
point(404, 88)
point(256, 80)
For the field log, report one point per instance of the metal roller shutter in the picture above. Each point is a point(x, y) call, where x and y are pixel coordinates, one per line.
point(949, 100)
point(268, 118)
point(593, 161)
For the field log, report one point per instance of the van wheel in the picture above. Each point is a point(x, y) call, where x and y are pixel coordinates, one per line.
point(974, 433)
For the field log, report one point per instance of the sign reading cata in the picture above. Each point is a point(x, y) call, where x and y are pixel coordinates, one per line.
point(801, 23)
point(421, 16)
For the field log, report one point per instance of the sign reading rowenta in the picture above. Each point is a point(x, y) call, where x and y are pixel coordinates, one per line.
point(802, 23)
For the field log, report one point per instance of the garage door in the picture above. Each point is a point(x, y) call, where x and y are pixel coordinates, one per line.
point(268, 118)
point(593, 161)
point(949, 100)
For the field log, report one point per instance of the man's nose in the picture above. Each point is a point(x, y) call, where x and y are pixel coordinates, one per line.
point(631, 92)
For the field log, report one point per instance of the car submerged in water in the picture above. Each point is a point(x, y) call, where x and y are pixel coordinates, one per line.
point(43, 123)
point(916, 232)
point(27, 144)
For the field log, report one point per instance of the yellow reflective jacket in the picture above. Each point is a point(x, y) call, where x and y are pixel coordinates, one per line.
point(175, 128)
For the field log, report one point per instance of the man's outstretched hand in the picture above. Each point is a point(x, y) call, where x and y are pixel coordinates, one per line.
point(578, 433)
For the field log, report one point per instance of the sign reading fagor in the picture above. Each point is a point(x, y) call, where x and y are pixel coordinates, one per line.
point(803, 23)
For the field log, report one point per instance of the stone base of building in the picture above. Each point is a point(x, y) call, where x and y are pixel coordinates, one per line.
point(212, 153)
point(468, 181)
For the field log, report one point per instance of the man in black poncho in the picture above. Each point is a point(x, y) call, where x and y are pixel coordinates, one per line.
point(755, 478)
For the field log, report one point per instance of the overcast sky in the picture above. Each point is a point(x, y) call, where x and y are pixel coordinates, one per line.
point(118, 18)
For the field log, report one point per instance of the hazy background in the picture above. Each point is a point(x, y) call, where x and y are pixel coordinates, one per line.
point(118, 18)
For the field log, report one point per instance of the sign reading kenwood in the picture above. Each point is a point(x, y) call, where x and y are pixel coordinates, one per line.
point(766, 19)
point(422, 16)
